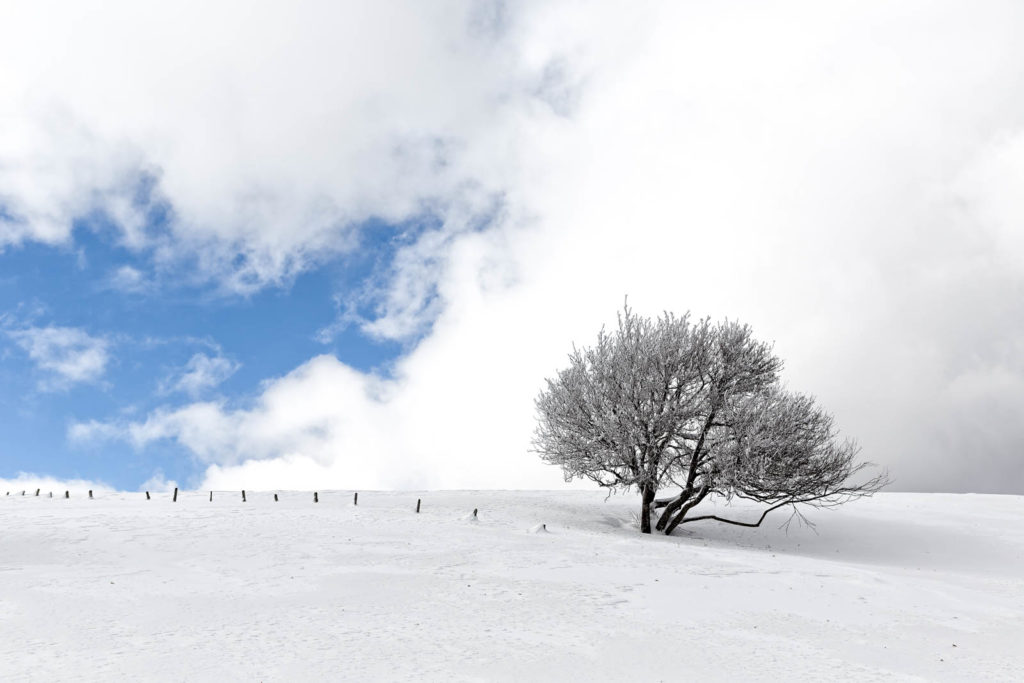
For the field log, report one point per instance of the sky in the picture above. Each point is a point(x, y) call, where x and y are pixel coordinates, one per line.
point(341, 244)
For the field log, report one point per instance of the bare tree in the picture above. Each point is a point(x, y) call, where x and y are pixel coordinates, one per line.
point(693, 406)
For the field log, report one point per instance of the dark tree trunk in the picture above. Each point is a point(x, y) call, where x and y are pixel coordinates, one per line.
point(681, 515)
point(671, 508)
point(647, 499)
point(696, 458)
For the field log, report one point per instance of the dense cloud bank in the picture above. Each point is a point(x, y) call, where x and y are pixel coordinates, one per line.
point(844, 177)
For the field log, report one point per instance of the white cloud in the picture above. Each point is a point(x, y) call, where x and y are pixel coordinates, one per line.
point(28, 482)
point(201, 372)
point(93, 430)
point(328, 423)
point(66, 355)
point(128, 279)
point(270, 129)
point(158, 483)
point(839, 175)
point(989, 185)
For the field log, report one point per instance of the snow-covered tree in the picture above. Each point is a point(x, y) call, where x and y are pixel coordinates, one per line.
point(696, 407)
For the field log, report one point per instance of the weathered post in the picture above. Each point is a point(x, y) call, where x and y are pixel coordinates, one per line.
point(243, 495)
point(90, 494)
point(211, 496)
point(474, 513)
point(316, 498)
point(51, 494)
point(37, 493)
point(355, 498)
point(417, 506)
point(67, 494)
point(147, 495)
point(275, 497)
point(175, 499)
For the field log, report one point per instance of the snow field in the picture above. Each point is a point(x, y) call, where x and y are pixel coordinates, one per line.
point(898, 587)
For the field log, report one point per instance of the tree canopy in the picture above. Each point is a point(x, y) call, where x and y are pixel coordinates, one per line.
point(674, 404)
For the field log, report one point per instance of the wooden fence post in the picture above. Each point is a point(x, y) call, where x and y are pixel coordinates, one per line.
point(316, 498)
point(67, 494)
point(90, 494)
point(37, 492)
point(175, 499)
point(275, 497)
point(243, 495)
point(51, 494)
point(417, 506)
point(355, 498)
point(474, 513)
point(147, 495)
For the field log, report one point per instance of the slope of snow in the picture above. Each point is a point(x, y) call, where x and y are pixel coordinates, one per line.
point(904, 586)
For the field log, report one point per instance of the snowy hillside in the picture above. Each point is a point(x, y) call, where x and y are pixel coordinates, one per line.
point(120, 588)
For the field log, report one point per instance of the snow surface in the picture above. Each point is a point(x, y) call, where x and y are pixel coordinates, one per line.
point(901, 586)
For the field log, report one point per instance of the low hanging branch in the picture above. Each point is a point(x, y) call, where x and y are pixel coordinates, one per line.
point(826, 499)
point(697, 407)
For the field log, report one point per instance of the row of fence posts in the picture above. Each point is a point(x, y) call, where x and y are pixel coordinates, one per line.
point(316, 497)
point(67, 494)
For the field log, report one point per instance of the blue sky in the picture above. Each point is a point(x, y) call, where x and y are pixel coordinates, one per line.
point(319, 243)
point(150, 334)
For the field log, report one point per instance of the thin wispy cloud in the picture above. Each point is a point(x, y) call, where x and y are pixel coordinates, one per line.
point(200, 374)
point(65, 356)
point(129, 280)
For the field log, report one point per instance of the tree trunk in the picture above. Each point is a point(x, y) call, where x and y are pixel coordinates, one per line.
point(672, 506)
point(647, 498)
point(677, 520)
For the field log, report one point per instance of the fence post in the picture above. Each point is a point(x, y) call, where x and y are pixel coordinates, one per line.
point(67, 494)
point(243, 495)
point(175, 499)
point(275, 497)
point(211, 496)
point(417, 506)
point(316, 498)
point(355, 498)
point(90, 494)
point(474, 513)
point(51, 494)
point(37, 492)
